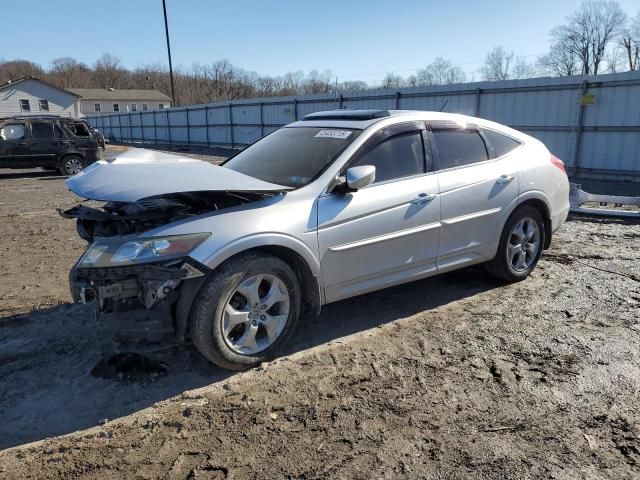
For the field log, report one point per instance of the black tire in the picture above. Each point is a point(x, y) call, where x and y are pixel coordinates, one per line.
point(68, 163)
point(206, 320)
point(501, 266)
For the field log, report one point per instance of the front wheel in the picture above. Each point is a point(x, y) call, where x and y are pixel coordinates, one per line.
point(520, 245)
point(246, 311)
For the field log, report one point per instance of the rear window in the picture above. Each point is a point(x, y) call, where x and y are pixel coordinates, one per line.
point(292, 156)
point(498, 143)
point(457, 148)
point(78, 129)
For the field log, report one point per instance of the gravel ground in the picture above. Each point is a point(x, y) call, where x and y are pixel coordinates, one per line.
point(451, 377)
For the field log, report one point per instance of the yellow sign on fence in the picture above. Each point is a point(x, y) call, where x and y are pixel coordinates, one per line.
point(588, 99)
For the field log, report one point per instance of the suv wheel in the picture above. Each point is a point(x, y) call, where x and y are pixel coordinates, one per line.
point(245, 311)
point(71, 164)
point(520, 246)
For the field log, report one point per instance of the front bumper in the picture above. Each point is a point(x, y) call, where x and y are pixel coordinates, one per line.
point(142, 300)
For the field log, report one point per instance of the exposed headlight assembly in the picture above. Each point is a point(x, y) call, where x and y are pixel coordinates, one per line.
point(115, 252)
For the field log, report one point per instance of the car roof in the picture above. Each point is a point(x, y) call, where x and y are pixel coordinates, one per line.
point(361, 119)
point(41, 117)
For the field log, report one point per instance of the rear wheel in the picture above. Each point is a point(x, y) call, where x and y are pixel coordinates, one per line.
point(520, 246)
point(246, 311)
point(71, 164)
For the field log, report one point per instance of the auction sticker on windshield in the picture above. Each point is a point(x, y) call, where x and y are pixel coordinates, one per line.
point(341, 134)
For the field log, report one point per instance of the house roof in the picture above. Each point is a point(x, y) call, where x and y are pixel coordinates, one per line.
point(11, 83)
point(113, 94)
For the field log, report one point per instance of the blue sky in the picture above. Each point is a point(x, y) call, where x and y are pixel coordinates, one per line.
point(356, 40)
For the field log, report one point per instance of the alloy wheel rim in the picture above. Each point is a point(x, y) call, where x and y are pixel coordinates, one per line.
point(524, 244)
point(73, 166)
point(255, 314)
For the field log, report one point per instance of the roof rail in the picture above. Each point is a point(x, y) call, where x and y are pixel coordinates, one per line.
point(347, 115)
point(23, 117)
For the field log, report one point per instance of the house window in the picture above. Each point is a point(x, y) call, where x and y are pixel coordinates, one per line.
point(44, 105)
point(133, 107)
point(24, 105)
point(145, 107)
point(116, 107)
point(161, 106)
point(97, 107)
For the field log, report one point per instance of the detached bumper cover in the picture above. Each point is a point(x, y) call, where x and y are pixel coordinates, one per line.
point(578, 197)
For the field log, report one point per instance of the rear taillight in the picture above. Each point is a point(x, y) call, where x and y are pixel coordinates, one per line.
point(558, 163)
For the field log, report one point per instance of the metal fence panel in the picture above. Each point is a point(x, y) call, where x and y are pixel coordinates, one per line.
point(591, 122)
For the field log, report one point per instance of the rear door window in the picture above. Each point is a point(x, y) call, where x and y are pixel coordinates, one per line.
point(457, 148)
point(41, 130)
point(498, 143)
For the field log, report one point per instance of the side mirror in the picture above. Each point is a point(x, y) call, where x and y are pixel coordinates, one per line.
point(360, 177)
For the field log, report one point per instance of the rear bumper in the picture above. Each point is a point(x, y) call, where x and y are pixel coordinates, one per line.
point(559, 218)
point(91, 155)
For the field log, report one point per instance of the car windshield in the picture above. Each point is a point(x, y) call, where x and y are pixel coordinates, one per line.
point(294, 156)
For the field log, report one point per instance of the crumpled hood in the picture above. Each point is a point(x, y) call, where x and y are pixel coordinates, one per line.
point(139, 173)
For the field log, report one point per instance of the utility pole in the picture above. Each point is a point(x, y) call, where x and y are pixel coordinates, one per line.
point(166, 30)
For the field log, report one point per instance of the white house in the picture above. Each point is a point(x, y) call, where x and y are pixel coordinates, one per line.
point(31, 96)
point(104, 101)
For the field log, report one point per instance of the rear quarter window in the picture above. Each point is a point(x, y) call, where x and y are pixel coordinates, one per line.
point(499, 144)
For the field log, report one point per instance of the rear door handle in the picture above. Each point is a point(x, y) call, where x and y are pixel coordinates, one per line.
point(423, 198)
point(504, 179)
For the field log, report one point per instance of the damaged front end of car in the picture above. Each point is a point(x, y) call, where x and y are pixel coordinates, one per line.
point(145, 284)
point(146, 302)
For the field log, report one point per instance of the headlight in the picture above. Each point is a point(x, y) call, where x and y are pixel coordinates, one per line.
point(113, 252)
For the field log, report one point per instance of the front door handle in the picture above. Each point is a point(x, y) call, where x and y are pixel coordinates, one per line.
point(423, 198)
point(504, 179)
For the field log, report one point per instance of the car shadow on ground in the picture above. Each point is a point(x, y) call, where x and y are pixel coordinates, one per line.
point(46, 357)
point(40, 174)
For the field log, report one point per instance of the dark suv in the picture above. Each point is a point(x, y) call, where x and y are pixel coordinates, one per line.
point(53, 143)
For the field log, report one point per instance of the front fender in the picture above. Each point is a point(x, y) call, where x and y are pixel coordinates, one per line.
point(226, 251)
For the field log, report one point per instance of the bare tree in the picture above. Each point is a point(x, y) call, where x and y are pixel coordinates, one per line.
point(439, 72)
point(589, 32)
point(630, 41)
point(497, 65)
point(561, 61)
point(15, 69)
point(391, 80)
point(317, 82)
point(614, 60)
point(67, 72)
point(109, 72)
point(353, 85)
point(522, 69)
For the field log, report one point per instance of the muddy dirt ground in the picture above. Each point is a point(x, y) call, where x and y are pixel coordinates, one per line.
point(452, 377)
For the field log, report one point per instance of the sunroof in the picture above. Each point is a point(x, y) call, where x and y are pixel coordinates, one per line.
point(347, 115)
